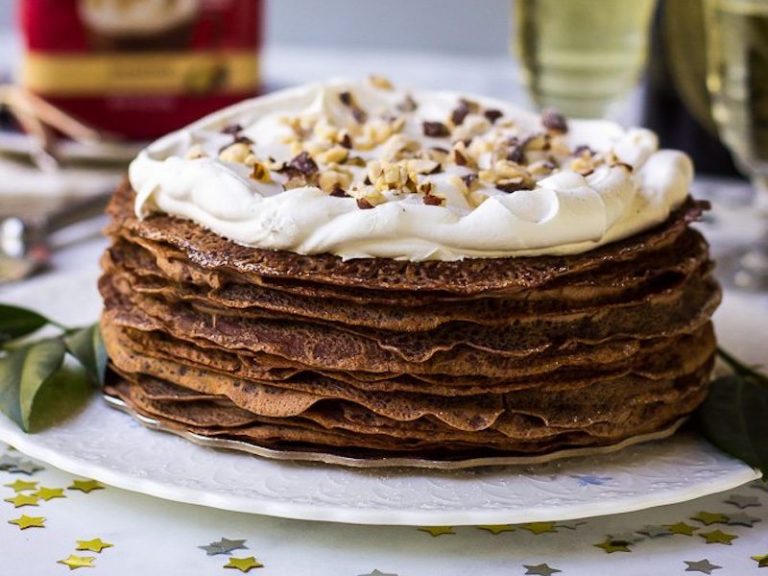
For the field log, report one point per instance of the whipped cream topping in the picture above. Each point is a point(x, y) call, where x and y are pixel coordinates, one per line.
point(136, 17)
point(366, 170)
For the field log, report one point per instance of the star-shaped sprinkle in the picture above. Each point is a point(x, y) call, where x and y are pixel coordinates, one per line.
point(496, 528)
point(743, 501)
point(654, 531)
point(26, 467)
point(95, 545)
point(8, 462)
point(22, 486)
point(681, 528)
point(742, 519)
point(223, 546)
point(708, 518)
point(762, 561)
point(243, 564)
point(540, 569)
point(718, 537)
point(571, 525)
point(86, 485)
point(611, 546)
point(378, 573)
point(24, 522)
point(75, 562)
point(23, 500)
point(628, 537)
point(703, 566)
point(49, 493)
point(538, 527)
point(436, 531)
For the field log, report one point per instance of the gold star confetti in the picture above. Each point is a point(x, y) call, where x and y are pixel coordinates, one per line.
point(24, 522)
point(681, 528)
point(762, 561)
point(708, 518)
point(538, 527)
point(21, 486)
point(23, 500)
point(95, 545)
point(49, 493)
point(86, 485)
point(496, 528)
point(436, 531)
point(75, 562)
point(718, 537)
point(611, 546)
point(243, 564)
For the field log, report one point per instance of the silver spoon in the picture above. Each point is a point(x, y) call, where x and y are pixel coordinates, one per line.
point(24, 246)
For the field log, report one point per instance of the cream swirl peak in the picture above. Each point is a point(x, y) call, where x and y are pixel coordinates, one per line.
point(367, 170)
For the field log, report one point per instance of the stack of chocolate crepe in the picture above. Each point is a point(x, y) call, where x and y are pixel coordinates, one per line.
point(378, 357)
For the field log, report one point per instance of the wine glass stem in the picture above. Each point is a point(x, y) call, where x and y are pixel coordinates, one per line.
point(753, 263)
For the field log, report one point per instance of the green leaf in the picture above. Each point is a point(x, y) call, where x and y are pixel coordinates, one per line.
point(733, 418)
point(16, 322)
point(23, 372)
point(87, 346)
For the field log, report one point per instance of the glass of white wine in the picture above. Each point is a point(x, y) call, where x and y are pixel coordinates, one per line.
point(581, 56)
point(737, 78)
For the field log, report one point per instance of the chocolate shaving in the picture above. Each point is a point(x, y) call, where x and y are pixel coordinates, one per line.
point(302, 164)
point(346, 141)
point(363, 204)
point(360, 115)
point(460, 113)
point(459, 158)
point(232, 129)
point(552, 120)
point(242, 140)
point(510, 187)
point(435, 129)
point(346, 98)
point(339, 192)
point(516, 153)
point(469, 179)
point(492, 115)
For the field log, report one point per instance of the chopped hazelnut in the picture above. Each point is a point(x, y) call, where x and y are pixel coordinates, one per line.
point(235, 153)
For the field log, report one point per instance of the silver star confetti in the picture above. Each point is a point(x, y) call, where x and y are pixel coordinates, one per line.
point(655, 531)
point(703, 566)
point(223, 546)
point(741, 519)
point(743, 501)
point(26, 467)
point(540, 569)
point(628, 537)
point(8, 462)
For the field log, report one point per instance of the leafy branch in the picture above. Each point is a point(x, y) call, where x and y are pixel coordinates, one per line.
point(734, 417)
point(26, 366)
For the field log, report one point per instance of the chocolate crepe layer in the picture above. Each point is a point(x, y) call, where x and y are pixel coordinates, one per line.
point(436, 359)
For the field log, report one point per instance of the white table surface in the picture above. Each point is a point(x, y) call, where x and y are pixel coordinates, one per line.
point(158, 537)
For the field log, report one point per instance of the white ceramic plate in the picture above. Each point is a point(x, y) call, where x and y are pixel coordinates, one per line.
point(102, 443)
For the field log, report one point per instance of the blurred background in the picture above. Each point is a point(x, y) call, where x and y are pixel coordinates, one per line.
point(110, 75)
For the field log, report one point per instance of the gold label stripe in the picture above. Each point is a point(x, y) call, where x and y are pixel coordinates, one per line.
point(140, 74)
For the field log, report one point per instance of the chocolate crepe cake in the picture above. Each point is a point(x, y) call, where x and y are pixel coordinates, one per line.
point(357, 270)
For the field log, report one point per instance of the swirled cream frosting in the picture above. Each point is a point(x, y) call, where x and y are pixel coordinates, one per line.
point(367, 170)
